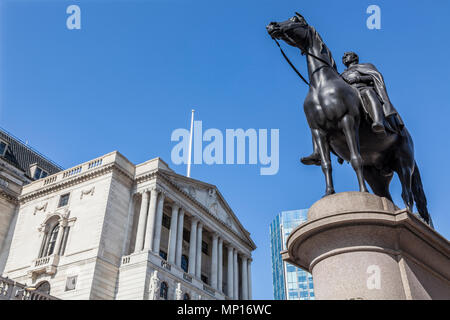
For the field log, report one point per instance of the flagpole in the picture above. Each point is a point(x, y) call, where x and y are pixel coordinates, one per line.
point(190, 145)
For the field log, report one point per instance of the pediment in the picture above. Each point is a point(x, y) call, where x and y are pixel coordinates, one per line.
point(211, 199)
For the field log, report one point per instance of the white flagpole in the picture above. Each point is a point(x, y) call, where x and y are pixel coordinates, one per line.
point(190, 145)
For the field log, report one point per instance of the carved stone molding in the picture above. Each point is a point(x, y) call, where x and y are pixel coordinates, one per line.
point(40, 208)
point(87, 192)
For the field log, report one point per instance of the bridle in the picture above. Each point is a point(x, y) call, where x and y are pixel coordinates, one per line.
point(304, 51)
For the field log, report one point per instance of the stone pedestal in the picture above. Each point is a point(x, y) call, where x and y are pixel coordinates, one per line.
point(360, 246)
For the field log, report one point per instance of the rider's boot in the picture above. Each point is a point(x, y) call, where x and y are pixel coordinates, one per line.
point(313, 158)
point(376, 112)
point(378, 128)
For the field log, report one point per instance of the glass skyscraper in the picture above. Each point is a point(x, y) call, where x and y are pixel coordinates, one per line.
point(289, 282)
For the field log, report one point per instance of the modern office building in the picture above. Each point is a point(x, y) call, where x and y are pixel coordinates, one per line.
point(111, 229)
point(289, 282)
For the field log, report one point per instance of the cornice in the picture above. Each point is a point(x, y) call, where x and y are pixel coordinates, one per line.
point(73, 181)
point(9, 197)
point(206, 211)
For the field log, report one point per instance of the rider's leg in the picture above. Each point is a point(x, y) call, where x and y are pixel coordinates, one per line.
point(375, 109)
point(313, 158)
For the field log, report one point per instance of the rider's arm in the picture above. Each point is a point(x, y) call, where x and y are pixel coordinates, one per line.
point(365, 79)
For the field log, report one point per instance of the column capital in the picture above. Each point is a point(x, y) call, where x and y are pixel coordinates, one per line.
point(194, 219)
point(176, 205)
point(141, 192)
point(215, 235)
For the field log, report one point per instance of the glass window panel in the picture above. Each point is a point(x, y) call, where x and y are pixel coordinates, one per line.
point(2, 148)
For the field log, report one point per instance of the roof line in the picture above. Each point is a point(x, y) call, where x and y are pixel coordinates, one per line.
point(10, 135)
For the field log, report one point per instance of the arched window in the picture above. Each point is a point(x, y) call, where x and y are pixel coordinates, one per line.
point(53, 233)
point(184, 263)
point(44, 287)
point(164, 290)
point(52, 240)
point(186, 297)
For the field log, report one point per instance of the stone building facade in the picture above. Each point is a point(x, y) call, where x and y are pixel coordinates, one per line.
point(19, 165)
point(109, 229)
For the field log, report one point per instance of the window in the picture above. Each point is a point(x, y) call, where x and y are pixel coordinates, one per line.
point(163, 254)
point(186, 235)
point(39, 173)
point(186, 297)
point(52, 240)
point(204, 278)
point(3, 148)
point(71, 283)
point(205, 248)
point(184, 263)
point(163, 290)
point(63, 200)
point(62, 250)
point(166, 221)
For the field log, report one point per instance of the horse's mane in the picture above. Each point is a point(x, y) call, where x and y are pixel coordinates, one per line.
point(323, 49)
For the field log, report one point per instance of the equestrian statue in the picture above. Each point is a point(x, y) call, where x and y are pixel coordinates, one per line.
point(351, 115)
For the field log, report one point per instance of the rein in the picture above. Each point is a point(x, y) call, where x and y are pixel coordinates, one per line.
point(303, 52)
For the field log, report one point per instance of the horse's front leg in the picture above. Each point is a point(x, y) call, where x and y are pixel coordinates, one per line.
point(324, 150)
point(350, 127)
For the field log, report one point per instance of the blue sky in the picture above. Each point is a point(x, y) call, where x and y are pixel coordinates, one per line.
point(133, 72)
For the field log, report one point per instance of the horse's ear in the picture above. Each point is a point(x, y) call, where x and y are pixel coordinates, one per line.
point(302, 19)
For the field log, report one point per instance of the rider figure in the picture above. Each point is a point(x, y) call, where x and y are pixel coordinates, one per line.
point(375, 100)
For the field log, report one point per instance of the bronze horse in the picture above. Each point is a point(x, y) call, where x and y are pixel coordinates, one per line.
point(336, 118)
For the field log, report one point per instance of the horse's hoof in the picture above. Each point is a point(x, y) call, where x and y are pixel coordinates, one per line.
point(329, 192)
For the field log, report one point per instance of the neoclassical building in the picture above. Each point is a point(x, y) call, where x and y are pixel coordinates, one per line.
point(19, 165)
point(109, 229)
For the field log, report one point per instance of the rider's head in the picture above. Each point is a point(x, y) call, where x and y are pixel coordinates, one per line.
point(350, 57)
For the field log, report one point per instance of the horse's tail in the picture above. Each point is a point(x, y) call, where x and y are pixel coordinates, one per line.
point(419, 196)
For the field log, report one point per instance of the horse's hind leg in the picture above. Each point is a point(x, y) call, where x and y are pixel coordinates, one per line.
point(378, 182)
point(350, 128)
point(324, 151)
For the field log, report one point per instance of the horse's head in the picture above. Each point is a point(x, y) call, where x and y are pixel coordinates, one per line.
point(293, 31)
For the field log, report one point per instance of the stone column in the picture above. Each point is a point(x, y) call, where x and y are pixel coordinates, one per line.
point(220, 263)
point(139, 244)
point(249, 276)
point(244, 284)
point(193, 245)
point(150, 230)
point(158, 223)
point(198, 257)
point(59, 237)
point(236, 275)
point(230, 273)
point(173, 233)
point(214, 257)
point(179, 249)
point(126, 240)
